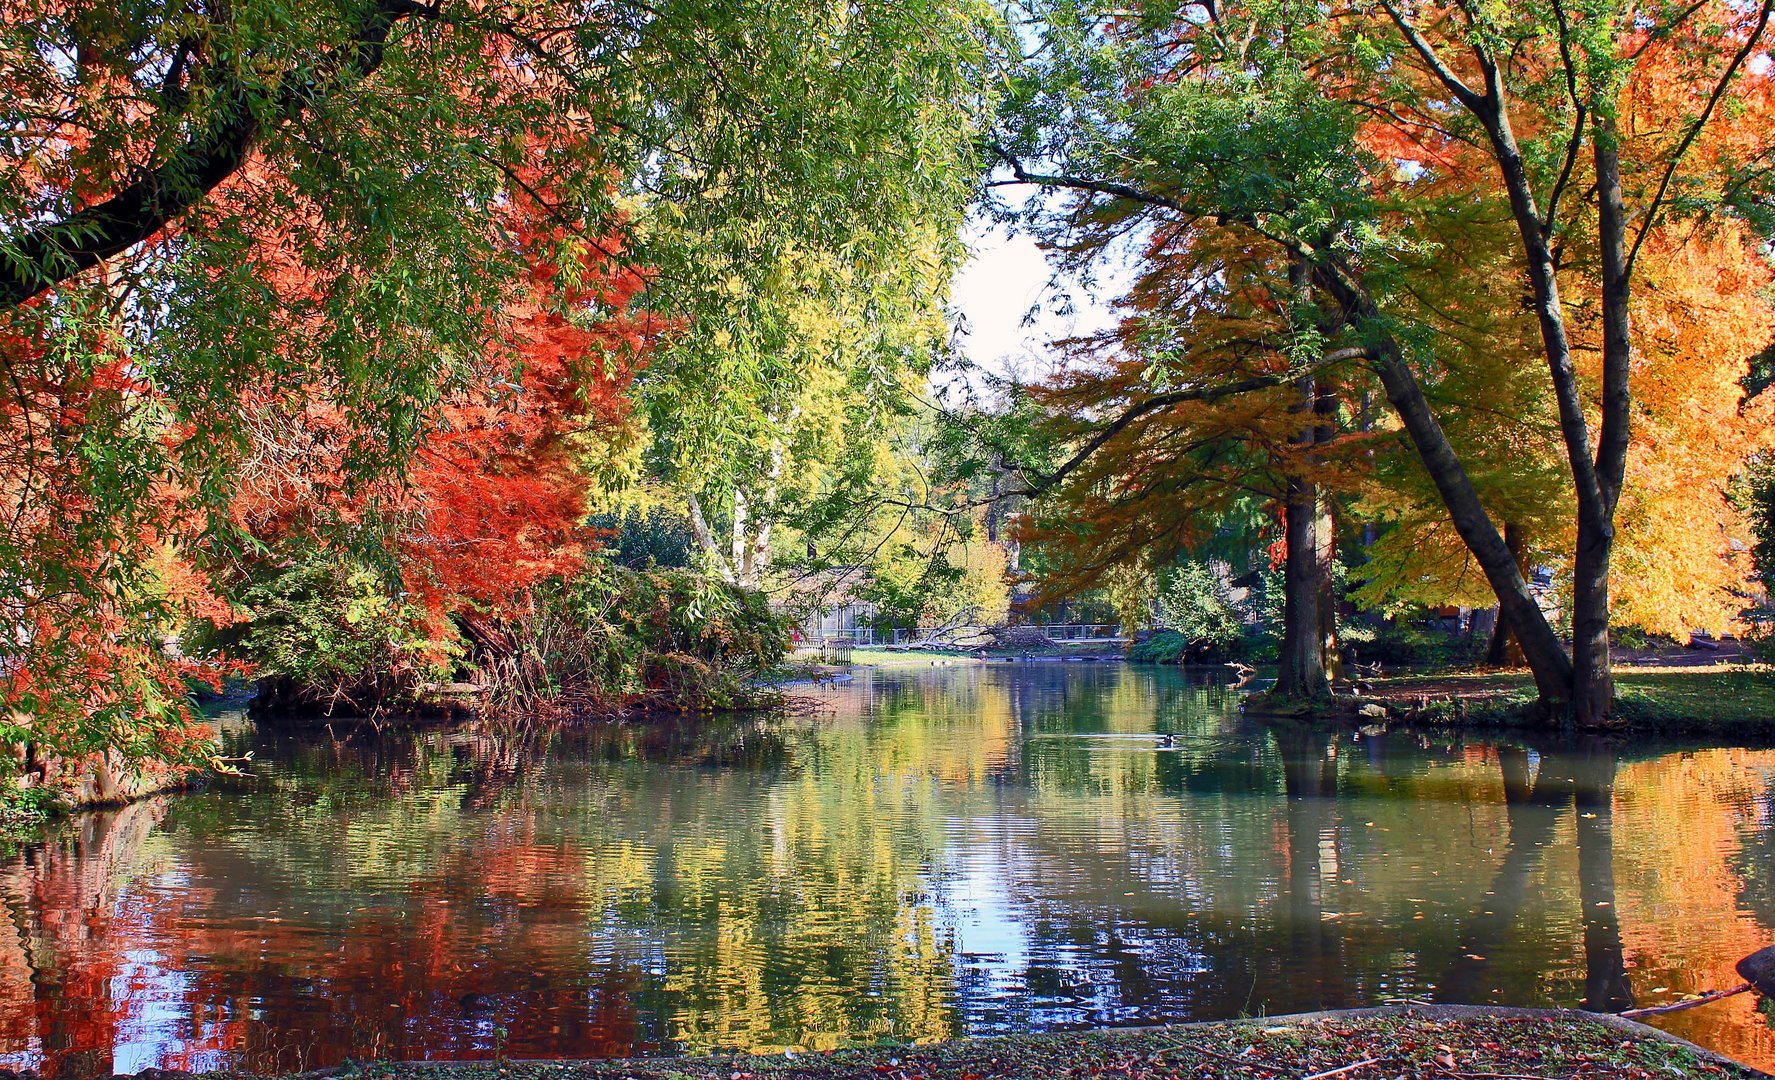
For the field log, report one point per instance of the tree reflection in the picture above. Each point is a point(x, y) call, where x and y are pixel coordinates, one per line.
point(1309, 770)
point(1572, 776)
point(934, 853)
point(1606, 987)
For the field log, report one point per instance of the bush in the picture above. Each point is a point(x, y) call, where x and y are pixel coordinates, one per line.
point(327, 634)
point(615, 635)
point(1404, 642)
point(645, 539)
point(1194, 605)
point(1164, 647)
point(324, 631)
point(24, 807)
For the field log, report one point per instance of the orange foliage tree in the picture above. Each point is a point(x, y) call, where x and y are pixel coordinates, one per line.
point(1199, 413)
point(1335, 139)
point(492, 501)
point(228, 216)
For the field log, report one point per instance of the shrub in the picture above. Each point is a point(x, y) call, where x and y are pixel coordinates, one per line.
point(1402, 641)
point(329, 634)
point(645, 539)
point(1194, 604)
point(614, 635)
point(325, 631)
point(1164, 647)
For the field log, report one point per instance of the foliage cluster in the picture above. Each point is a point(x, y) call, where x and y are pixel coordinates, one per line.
point(616, 636)
point(1196, 605)
point(322, 323)
point(963, 582)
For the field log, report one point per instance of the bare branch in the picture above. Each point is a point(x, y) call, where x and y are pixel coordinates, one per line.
point(1427, 52)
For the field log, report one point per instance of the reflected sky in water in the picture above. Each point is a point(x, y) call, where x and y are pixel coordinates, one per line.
point(929, 853)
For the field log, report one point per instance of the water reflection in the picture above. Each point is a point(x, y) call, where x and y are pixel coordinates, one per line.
point(934, 853)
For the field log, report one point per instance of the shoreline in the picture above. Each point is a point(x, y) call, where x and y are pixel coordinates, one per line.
point(1722, 702)
point(1434, 1042)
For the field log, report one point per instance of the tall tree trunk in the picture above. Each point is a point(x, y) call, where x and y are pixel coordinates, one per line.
point(1306, 573)
point(1596, 474)
point(1593, 684)
point(705, 541)
point(1505, 650)
point(755, 562)
point(1302, 672)
point(1325, 409)
point(1541, 647)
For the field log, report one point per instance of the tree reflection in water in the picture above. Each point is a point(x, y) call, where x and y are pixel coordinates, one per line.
point(938, 852)
point(1579, 779)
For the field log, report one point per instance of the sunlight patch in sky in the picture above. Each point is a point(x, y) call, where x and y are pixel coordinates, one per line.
point(995, 292)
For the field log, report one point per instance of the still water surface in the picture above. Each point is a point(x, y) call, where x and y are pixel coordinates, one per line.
point(931, 853)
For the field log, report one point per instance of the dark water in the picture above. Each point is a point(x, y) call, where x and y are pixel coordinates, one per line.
point(935, 852)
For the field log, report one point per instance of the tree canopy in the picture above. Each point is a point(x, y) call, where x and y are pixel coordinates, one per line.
point(386, 267)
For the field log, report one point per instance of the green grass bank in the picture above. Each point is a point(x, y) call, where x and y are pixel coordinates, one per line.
point(1724, 701)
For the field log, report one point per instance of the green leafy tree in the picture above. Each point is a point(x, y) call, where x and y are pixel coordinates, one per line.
point(1196, 603)
point(808, 275)
point(210, 204)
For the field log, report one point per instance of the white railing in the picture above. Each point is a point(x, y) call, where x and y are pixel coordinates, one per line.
point(1082, 631)
point(1066, 633)
point(864, 636)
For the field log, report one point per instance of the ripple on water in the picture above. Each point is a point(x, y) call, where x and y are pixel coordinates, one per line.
point(944, 851)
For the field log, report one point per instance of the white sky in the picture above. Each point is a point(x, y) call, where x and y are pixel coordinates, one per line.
point(995, 290)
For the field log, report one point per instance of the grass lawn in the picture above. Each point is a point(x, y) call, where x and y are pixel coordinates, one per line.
point(1725, 699)
point(1434, 1044)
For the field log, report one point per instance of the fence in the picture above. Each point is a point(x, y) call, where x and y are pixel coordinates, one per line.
point(1082, 631)
point(851, 636)
point(830, 651)
point(1063, 633)
point(864, 636)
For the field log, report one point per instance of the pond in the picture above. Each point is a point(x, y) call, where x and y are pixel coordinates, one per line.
point(920, 854)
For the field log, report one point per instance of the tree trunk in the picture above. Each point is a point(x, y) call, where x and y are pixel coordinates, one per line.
point(1593, 684)
point(1504, 650)
point(1302, 673)
point(705, 540)
point(1325, 537)
point(1541, 647)
point(1596, 474)
point(1307, 590)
